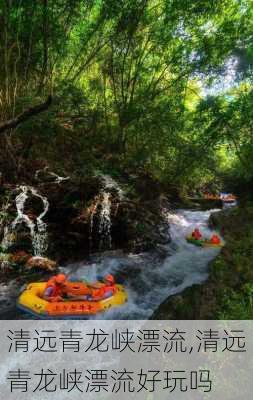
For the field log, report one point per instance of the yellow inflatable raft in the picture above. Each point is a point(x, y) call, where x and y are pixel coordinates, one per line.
point(31, 300)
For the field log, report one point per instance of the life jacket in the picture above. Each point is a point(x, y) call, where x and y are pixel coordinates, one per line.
point(215, 239)
point(104, 291)
point(57, 291)
point(196, 235)
point(110, 289)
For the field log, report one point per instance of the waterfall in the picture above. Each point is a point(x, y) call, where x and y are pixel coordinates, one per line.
point(21, 217)
point(105, 222)
point(110, 183)
point(104, 201)
point(92, 214)
point(40, 239)
point(37, 228)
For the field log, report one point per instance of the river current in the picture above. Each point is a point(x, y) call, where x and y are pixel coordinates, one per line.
point(149, 278)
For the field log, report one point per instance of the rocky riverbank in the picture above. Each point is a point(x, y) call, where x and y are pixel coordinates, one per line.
point(228, 292)
point(57, 218)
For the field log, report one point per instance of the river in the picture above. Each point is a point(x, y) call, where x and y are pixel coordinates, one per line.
point(149, 278)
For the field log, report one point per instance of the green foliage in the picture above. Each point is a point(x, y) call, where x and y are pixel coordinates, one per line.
point(140, 228)
point(126, 78)
point(232, 270)
point(237, 305)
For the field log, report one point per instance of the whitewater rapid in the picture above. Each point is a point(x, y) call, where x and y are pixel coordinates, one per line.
point(148, 278)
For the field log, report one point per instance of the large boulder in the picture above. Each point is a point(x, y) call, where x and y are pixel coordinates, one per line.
point(140, 226)
point(42, 263)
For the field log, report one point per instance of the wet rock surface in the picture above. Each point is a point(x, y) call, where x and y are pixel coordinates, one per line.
point(41, 263)
point(81, 219)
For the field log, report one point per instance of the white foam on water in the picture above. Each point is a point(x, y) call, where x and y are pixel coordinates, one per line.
point(149, 281)
point(8, 294)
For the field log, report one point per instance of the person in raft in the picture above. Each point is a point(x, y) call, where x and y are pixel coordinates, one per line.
point(106, 289)
point(215, 239)
point(196, 234)
point(56, 288)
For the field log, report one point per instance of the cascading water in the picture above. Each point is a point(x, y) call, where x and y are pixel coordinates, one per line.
point(110, 184)
point(149, 279)
point(21, 217)
point(105, 222)
point(104, 201)
point(92, 214)
point(37, 228)
point(40, 240)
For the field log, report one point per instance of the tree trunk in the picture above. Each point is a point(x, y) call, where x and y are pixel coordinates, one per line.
point(25, 115)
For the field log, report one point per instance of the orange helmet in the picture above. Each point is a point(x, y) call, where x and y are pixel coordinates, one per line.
point(60, 278)
point(109, 278)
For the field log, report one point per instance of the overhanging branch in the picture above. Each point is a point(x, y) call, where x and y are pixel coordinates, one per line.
point(30, 112)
